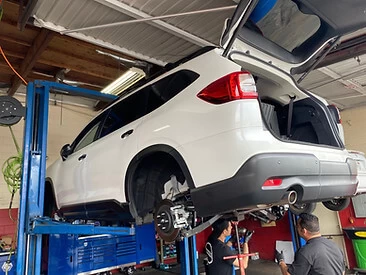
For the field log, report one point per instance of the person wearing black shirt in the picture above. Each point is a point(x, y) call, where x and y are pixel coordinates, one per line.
point(217, 249)
point(319, 256)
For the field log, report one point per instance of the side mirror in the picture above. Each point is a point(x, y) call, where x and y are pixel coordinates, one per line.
point(65, 151)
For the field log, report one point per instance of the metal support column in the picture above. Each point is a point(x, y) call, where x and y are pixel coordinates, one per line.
point(34, 167)
point(297, 241)
point(189, 256)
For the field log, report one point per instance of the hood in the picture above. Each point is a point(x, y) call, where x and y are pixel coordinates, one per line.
point(291, 34)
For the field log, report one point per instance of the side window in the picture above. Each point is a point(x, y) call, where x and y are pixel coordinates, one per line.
point(124, 112)
point(146, 100)
point(89, 134)
point(165, 89)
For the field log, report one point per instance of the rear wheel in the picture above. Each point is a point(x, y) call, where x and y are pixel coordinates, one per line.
point(302, 207)
point(337, 204)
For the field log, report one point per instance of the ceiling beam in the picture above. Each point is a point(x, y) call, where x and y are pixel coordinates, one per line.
point(25, 13)
point(346, 50)
point(39, 45)
point(78, 64)
point(15, 41)
point(137, 14)
point(350, 84)
point(101, 43)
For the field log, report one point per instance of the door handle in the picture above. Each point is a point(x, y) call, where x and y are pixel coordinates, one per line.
point(124, 135)
point(82, 157)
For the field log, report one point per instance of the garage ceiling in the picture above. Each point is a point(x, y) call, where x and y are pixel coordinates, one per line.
point(91, 24)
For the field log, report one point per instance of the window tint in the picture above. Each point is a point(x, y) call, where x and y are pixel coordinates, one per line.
point(168, 87)
point(124, 112)
point(89, 137)
point(146, 100)
point(285, 24)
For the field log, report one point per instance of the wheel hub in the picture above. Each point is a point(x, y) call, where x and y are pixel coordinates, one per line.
point(164, 221)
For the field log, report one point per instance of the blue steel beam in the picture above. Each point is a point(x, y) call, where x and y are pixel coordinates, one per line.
point(34, 167)
point(71, 90)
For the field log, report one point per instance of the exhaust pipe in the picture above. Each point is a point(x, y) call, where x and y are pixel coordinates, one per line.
point(290, 197)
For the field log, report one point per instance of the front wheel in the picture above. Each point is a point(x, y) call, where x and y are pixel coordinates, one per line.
point(337, 204)
point(302, 207)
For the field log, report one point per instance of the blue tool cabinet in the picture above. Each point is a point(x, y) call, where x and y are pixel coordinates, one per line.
point(74, 254)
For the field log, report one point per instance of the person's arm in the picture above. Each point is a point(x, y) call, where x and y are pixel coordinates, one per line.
point(284, 268)
point(281, 262)
point(245, 259)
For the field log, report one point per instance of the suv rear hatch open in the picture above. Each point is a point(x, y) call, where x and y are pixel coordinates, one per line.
point(291, 34)
point(275, 40)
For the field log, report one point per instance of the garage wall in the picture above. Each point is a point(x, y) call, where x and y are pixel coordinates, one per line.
point(354, 122)
point(65, 122)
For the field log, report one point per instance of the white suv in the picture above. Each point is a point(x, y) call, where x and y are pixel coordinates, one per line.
point(225, 129)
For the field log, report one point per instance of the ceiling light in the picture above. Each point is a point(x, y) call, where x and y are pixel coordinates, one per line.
point(125, 81)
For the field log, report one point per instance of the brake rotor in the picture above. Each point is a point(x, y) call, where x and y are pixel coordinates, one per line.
point(164, 221)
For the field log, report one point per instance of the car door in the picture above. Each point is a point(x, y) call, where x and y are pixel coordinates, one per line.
point(108, 158)
point(71, 181)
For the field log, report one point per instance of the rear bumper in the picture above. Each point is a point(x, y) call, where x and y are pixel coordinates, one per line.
point(314, 180)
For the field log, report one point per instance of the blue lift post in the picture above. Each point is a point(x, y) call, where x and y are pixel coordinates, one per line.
point(188, 256)
point(297, 241)
point(34, 165)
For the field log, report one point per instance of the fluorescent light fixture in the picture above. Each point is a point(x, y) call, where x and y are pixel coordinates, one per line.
point(125, 81)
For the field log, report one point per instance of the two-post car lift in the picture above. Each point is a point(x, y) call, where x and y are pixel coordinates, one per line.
point(31, 223)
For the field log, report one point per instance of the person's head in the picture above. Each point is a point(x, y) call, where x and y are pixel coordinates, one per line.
point(222, 227)
point(308, 226)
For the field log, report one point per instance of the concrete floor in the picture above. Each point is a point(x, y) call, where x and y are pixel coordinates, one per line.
point(257, 267)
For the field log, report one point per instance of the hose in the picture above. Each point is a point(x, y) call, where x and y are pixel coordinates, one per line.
point(12, 172)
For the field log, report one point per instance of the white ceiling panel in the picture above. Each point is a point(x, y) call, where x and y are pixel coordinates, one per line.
point(158, 41)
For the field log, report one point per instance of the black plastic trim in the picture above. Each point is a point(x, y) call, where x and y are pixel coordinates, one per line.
point(106, 210)
point(140, 157)
point(156, 149)
point(314, 180)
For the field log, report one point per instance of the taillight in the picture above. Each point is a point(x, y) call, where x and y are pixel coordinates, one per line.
point(272, 182)
point(234, 86)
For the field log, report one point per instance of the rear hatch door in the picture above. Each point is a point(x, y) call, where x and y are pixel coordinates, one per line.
point(291, 34)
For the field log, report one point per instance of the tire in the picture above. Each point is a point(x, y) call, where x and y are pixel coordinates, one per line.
point(302, 207)
point(337, 204)
point(49, 206)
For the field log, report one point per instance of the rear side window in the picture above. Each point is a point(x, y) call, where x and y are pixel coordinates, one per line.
point(165, 89)
point(146, 100)
point(124, 112)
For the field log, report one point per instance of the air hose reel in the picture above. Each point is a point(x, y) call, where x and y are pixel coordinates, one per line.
point(11, 111)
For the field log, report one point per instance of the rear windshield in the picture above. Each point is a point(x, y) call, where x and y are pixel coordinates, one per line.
point(283, 23)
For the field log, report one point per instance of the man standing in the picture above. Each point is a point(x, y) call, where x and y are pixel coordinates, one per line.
point(217, 249)
point(319, 256)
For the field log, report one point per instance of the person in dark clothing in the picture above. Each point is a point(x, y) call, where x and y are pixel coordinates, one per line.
point(319, 256)
point(217, 249)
